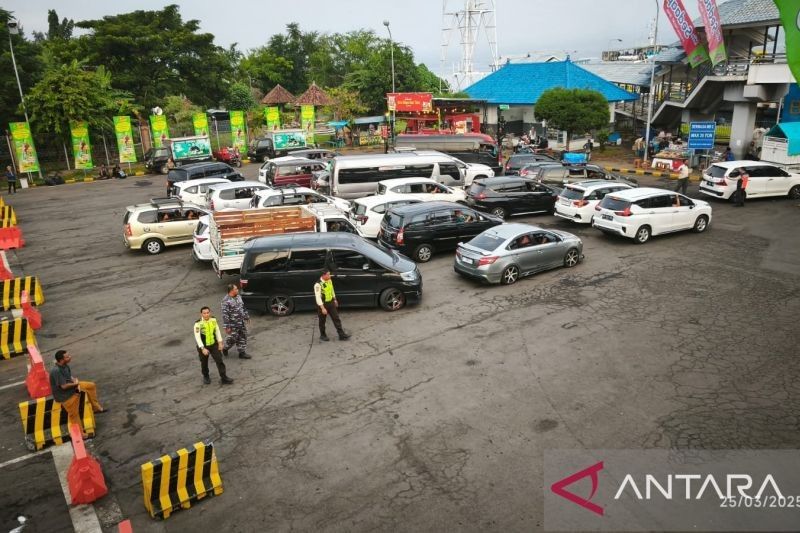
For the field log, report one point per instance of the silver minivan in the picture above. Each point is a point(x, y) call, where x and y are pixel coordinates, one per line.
point(358, 175)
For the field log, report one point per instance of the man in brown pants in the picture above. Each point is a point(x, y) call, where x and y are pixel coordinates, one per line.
point(66, 389)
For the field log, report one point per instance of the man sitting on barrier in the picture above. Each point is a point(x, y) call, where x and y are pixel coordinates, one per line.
point(66, 389)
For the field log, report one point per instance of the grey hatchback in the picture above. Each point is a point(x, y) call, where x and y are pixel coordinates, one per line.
point(505, 253)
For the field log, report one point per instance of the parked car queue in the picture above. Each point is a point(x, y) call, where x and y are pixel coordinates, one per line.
point(470, 223)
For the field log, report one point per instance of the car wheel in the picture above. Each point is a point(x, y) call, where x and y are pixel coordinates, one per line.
point(164, 169)
point(280, 305)
point(572, 258)
point(794, 192)
point(701, 224)
point(499, 212)
point(392, 299)
point(510, 275)
point(239, 164)
point(153, 246)
point(423, 253)
point(642, 235)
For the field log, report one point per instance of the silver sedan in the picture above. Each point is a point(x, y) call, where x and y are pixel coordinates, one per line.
point(507, 252)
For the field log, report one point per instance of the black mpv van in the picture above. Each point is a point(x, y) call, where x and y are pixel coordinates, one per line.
point(279, 272)
point(196, 171)
point(420, 230)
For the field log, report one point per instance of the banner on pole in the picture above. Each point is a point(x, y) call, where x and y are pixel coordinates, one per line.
point(81, 145)
point(307, 121)
point(713, 27)
point(159, 129)
point(682, 24)
point(23, 146)
point(273, 116)
point(124, 133)
point(200, 123)
point(238, 131)
point(790, 17)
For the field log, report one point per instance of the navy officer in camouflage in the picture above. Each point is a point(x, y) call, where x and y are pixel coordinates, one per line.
point(235, 319)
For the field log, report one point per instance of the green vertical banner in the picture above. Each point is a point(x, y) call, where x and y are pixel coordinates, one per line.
point(124, 133)
point(81, 146)
point(200, 122)
point(273, 116)
point(23, 146)
point(790, 17)
point(307, 121)
point(238, 132)
point(159, 129)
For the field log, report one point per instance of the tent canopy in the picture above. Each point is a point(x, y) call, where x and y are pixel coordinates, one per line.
point(789, 131)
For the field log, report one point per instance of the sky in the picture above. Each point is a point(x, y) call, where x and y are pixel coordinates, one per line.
point(581, 28)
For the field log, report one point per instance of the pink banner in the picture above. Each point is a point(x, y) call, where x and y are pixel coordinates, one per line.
point(713, 27)
point(682, 24)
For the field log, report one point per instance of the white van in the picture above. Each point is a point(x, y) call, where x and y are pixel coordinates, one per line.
point(194, 191)
point(765, 179)
point(234, 195)
point(357, 176)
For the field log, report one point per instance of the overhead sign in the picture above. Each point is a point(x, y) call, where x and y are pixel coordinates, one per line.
point(701, 135)
point(419, 102)
point(503, 107)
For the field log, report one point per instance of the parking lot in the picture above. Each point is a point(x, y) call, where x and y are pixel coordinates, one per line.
point(431, 418)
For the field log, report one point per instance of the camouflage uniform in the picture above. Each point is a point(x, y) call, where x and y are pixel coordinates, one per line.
point(234, 316)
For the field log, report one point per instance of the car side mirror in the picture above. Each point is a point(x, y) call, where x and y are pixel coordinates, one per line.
point(365, 267)
point(691, 206)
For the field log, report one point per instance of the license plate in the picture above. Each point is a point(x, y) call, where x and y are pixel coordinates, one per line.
point(564, 202)
point(466, 260)
point(608, 217)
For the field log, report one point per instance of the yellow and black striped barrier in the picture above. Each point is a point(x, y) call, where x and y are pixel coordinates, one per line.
point(12, 292)
point(6, 223)
point(174, 481)
point(15, 337)
point(7, 214)
point(45, 421)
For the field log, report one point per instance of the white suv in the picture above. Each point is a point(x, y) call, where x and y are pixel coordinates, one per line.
point(640, 213)
point(195, 190)
point(368, 212)
point(425, 189)
point(765, 179)
point(295, 196)
point(234, 195)
point(578, 200)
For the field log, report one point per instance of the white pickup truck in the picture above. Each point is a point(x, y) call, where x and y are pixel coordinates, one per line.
point(229, 230)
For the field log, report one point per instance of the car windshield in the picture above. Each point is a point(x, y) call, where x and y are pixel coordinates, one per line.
point(614, 204)
point(519, 162)
point(572, 194)
point(476, 188)
point(200, 228)
point(177, 174)
point(487, 241)
point(716, 171)
point(358, 209)
point(393, 219)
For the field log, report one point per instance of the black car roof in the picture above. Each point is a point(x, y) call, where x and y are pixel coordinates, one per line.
point(302, 240)
point(421, 207)
point(500, 179)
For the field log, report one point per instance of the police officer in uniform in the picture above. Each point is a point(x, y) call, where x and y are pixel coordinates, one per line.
point(208, 340)
point(327, 304)
point(235, 318)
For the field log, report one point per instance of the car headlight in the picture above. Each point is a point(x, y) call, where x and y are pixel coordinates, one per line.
point(411, 275)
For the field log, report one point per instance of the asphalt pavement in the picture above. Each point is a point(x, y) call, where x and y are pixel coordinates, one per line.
point(432, 418)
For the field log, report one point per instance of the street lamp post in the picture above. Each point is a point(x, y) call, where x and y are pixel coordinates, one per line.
point(13, 29)
point(651, 93)
point(391, 42)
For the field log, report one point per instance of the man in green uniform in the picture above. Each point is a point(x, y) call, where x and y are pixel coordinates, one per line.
point(327, 304)
point(208, 340)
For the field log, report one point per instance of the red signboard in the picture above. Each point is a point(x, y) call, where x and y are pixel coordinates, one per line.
point(410, 102)
point(683, 26)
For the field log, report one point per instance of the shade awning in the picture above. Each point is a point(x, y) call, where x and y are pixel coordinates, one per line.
point(370, 120)
point(789, 131)
point(337, 123)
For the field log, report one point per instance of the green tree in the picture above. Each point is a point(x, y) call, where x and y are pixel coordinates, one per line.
point(265, 68)
point(28, 65)
point(179, 111)
point(155, 53)
point(346, 104)
point(573, 110)
point(70, 92)
point(239, 98)
point(295, 47)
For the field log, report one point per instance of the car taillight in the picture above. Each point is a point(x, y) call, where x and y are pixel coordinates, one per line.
point(597, 207)
point(523, 172)
point(362, 218)
point(399, 238)
point(580, 203)
point(487, 260)
point(480, 196)
point(624, 213)
point(242, 283)
point(211, 204)
point(128, 231)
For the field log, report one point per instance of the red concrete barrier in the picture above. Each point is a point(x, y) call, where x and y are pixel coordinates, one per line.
point(125, 527)
point(11, 238)
point(85, 478)
point(37, 381)
point(5, 270)
point(33, 315)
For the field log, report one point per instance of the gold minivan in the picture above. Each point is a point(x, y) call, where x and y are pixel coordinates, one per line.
point(162, 222)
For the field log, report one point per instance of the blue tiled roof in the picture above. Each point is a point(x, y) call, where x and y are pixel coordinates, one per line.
point(524, 83)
